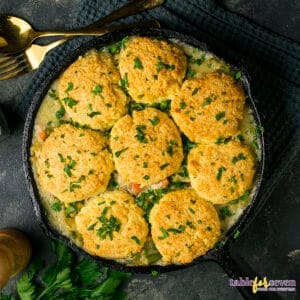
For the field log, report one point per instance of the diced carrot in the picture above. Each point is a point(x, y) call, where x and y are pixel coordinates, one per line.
point(164, 183)
point(135, 188)
point(42, 135)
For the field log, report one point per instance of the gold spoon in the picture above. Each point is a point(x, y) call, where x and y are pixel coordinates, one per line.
point(16, 34)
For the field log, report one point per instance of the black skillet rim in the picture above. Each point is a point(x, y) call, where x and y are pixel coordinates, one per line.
point(41, 91)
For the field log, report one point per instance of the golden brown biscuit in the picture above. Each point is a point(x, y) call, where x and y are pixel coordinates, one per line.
point(153, 69)
point(90, 92)
point(209, 107)
point(183, 226)
point(112, 225)
point(146, 147)
point(74, 163)
point(221, 173)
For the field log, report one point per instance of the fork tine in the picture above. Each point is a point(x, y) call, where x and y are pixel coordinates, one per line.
point(13, 65)
point(18, 71)
point(11, 61)
point(4, 57)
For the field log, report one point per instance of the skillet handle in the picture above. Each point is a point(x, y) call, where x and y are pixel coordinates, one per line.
point(236, 267)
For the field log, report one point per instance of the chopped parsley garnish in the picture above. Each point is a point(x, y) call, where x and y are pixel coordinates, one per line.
point(118, 153)
point(160, 65)
point(238, 75)
point(137, 63)
point(140, 136)
point(182, 104)
point(187, 144)
point(195, 91)
point(190, 224)
point(97, 90)
point(236, 234)
point(70, 87)
point(70, 166)
point(71, 209)
point(191, 210)
point(220, 115)
point(135, 238)
point(146, 177)
point(221, 140)
point(190, 73)
point(60, 113)
point(124, 82)
point(244, 197)
point(170, 150)
point(162, 167)
point(220, 172)
point(136, 106)
point(233, 179)
point(57, 206)
point(164, 234)
point(155, 121)
point(108, 225)
point(240, 156)
point(93, 114)
point(69, 101)
point(180, 229)
point(225, 212)
point(61, 158)
point(53, 94)
point(74, 185)
point(92, 226)
point(240, 138)
point(116, 48)
point(145, 164)
point(184, 173)
point(165, 105)
point(47, 164)
point(154, 273)
point(197, 61)
point(208, 228)
point(207, 101)
point(146, 200)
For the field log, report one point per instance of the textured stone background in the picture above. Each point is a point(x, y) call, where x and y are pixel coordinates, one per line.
point(271, 244)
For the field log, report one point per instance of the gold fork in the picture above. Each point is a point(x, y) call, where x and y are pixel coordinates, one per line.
point(23, 62)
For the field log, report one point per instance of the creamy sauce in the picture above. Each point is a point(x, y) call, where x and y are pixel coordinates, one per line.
point(62, 217)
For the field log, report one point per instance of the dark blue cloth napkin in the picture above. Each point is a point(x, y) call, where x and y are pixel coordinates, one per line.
point(272, 61)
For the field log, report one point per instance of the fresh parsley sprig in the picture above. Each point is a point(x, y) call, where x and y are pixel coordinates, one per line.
point(68, 279)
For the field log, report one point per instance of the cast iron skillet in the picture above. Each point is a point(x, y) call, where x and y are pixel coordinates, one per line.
point(223, 254)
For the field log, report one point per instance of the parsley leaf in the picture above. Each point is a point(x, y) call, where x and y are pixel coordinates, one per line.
point(25, 285)
point(220, 115)
point(70, 87)
point(220, 172)
point(60, 113)
point(118, 153)
point(69, 101)
point(97, 90)
point(88, 271)
point(137, 64)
